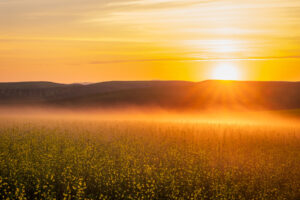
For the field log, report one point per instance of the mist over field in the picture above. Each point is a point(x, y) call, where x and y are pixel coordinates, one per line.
point(150, 140)
point(270, 103)
point(281, 117)
point(67, 156)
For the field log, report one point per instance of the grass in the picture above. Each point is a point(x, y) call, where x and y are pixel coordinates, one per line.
point(147, 160)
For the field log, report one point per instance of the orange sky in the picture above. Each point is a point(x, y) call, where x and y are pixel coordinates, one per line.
point(100, 40)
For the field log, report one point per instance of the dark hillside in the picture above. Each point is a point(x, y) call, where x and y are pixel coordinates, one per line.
point(178, 95)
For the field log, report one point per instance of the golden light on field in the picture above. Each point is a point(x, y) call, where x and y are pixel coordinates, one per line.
point(226, 71)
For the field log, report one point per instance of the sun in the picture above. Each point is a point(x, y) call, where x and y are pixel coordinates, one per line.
point(226, 71)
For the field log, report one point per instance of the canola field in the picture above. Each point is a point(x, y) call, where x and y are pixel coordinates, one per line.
point(115, 159)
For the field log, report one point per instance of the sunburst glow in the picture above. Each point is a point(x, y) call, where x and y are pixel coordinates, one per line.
point(226, 71)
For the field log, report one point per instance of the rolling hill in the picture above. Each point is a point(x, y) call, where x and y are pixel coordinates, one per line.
point(174, 95)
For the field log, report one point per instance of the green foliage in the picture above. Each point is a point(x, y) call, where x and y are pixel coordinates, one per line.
point(147, 160)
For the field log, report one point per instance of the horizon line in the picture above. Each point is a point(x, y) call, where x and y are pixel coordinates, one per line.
point(152, 80)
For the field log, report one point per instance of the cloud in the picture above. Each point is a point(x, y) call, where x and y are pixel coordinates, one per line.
point(135, 60)
point(164, 22)
point(190, 60)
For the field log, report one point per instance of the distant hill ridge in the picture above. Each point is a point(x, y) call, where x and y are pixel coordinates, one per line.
point(178, 95)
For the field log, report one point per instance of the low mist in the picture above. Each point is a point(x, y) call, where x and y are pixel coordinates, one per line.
point(286, 117)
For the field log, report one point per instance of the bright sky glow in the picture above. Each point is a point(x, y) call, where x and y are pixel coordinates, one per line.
point(99, 40)
point(226, 71)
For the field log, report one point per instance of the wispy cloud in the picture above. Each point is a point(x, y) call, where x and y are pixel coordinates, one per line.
point(34, 33)
point(101, 62)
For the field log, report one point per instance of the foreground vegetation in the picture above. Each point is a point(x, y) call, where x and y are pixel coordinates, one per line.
point(147, 160)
